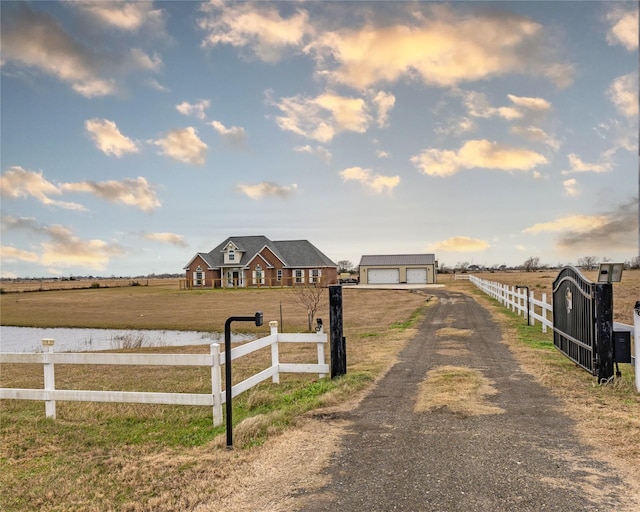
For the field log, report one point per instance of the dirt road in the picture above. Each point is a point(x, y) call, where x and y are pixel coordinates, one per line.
point(411, 445)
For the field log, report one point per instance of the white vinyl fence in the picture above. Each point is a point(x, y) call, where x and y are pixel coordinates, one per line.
point(214, 360)
point(539, 309)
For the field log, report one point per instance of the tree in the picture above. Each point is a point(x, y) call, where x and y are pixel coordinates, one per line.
point(309, 296)
point(588, 262)
point(461, 266)
point(633, 263)
point(345, 266)
point(532, 264)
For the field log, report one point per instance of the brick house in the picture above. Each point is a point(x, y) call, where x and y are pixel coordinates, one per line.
point(247, 261)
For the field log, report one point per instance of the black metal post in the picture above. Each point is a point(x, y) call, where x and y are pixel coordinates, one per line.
point(518, 286)
point(338, 341)
point(604, 330)
point(257, 318)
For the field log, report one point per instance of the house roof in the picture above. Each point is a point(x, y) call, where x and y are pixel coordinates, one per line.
point(397, 259)
point(292, 253)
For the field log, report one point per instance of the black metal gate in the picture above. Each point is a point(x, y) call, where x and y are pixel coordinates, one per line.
point(583, 322)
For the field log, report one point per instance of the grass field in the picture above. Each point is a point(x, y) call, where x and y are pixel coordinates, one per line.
point(124, 456)
point(166, 458)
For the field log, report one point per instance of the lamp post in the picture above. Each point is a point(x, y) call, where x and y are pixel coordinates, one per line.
point(257, 318)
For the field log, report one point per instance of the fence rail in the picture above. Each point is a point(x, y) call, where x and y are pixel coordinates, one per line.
point(214, 360)
point(516, 300)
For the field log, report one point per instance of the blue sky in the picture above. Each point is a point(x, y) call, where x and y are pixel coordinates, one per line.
point(135, 134)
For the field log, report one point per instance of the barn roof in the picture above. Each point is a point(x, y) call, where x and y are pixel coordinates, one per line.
point(370, 260)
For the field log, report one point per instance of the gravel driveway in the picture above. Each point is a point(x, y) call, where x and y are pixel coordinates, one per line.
point(523, 459)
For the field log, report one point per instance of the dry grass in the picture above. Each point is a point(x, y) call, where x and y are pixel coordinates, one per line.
point(460, 390)
point(607, 416)
point(142, 457)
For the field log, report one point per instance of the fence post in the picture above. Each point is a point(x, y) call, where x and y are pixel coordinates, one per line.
point(275, 358)
point(544, 313)
point(320, 333)
point(216, 384)
point(530, 308)
point(338, 342)
point(49, 377)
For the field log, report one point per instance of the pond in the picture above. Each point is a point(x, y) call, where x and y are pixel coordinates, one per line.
point(29, 339)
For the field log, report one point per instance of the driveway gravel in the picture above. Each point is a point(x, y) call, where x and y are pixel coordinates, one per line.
point(524, 459)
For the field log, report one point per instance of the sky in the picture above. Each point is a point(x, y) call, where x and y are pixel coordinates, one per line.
point(136, 134)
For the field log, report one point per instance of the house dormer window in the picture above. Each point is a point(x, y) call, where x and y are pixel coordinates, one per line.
point(231, 255)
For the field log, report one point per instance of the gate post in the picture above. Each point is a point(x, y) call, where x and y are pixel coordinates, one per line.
point(338, 342)
point(49, 378)
point(604, 330)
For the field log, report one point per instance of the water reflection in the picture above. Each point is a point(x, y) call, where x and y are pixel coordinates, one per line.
point(29, 339)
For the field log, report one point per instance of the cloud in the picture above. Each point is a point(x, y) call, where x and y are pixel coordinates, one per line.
point(614, 230)
point(384, 101)
point(478, 106)
point(380, 153)
point(194, 109)
point(577, 165)
point(528, 103)
point(477, 154)
point(36, 40)
point(319, 151)
point(267, 189)
point(459, 244)
point(234, 136)
point(183, 145)
point(108, 138)
point(376, 183)
point(17, 182)
point(440, 47)
point(260, 27)
point(624, 27)
point(573, 223)
point(10, 254)
point(38, 43)
point(535, 134)
point(623, 92)
point(124, 16)
point(67, 250)
point(154, 84)
point(167, 238)
point(140, 60)
point(570, 188)
point(63, 248)
point(323, 117)
point(133, 192)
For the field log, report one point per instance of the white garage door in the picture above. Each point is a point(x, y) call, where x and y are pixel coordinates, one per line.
point(384, 276)
point(417, 275)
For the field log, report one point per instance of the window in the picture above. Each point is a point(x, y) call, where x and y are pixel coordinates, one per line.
point(279, 275)
point(258, 275)
point(231, 255)
point(314, 275)
point(198, 277)
point(298, 276)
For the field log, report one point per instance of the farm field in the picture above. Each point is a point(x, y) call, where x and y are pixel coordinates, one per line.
point(144, 457)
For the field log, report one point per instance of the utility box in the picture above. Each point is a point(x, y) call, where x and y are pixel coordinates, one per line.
point(622, 346)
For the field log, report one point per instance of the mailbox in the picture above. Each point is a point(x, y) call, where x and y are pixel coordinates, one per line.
point(622, 346)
